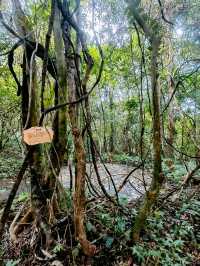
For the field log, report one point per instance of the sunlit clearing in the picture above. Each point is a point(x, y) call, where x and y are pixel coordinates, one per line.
point(179, 32)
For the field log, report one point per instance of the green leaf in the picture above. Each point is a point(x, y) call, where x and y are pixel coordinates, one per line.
point(75, 252)
point(109, 241)
point(89, 227)
point(58, 248)
point(23, 196)
point(12, 262)
point(154, 253)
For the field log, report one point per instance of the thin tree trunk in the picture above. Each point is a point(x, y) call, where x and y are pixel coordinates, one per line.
point(171, 124)
point(157, 180)
point(79, 195)
point(112, 129)
point(170, 54)
point(104, 129)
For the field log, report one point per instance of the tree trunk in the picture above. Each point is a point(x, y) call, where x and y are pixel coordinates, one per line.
point(171, 124)
point(80, 156)
point(157, 180)
point(43, 179)
point(170, 54)
point(112, 128)
point(58, 148)
point(151, 195)
point(30, 105)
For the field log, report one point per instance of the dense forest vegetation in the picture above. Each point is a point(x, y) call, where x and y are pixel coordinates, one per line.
point(99, 132)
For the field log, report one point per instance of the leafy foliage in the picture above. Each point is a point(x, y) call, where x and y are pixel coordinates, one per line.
point(10, 162)
point(171, 238)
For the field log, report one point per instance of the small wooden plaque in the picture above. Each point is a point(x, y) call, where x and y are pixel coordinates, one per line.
point(37, 135)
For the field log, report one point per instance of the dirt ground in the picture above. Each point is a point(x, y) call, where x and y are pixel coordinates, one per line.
point(134, 188)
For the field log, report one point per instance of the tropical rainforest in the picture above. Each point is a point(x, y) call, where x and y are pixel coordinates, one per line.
point(99, 132)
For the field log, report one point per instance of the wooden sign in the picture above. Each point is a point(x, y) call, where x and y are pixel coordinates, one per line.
point(37, 135)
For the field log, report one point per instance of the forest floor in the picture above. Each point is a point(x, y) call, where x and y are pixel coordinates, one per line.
point(134, 188)
point(171, 237)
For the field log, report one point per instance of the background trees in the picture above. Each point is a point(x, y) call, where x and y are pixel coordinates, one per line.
point(118, 83)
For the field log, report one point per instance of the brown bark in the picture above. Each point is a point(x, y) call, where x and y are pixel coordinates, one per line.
point(79, 194)
point(189, 176)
